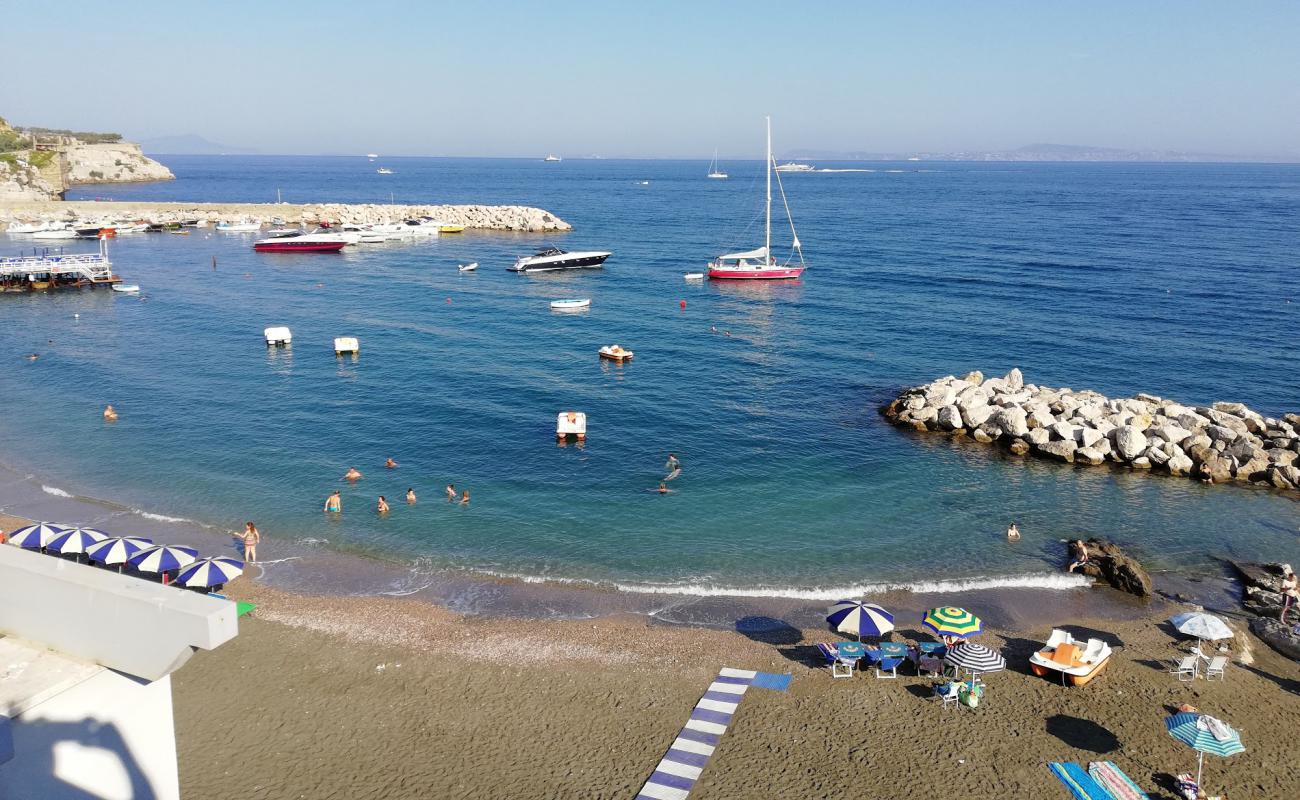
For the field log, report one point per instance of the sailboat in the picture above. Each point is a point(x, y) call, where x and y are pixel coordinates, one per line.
point(758, 264)
point(714, 172)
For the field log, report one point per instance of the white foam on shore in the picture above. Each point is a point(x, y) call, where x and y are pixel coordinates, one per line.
point(1050, 580)
point(158, 517)
point(54, 490)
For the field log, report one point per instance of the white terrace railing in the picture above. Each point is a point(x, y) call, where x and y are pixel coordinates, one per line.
point(86, 266)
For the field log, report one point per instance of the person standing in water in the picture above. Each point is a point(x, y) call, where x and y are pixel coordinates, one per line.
point(382, 505)
point(451, 493)
point(390, 464)
point(353, 474)
point(673, 463)
point(410, 497)
point(251, 538)
point(464, 498)
point(334, 503)
point(1013, 533)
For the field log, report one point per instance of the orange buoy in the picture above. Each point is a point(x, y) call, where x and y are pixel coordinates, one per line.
point(683, 305)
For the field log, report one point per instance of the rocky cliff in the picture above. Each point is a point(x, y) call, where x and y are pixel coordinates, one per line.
point(20, 181)
point(119, 162)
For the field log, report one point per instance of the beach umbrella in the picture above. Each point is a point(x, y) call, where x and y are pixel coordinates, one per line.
point(163, 558)
point(975, 658)
point(1204, 734)
point(74, 541)
point(1201, 625)
point(117, 549)
point(36, 536)
point(208, 572)
point(952, 621)
point(863, 619)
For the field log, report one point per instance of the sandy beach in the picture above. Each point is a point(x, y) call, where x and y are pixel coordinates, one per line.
point(366, 697)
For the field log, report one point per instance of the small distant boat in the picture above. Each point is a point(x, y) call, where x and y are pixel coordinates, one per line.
point(372, 155)
point(29, 227)
point(304, 243)
point(571, 305)
point(615, 352)
point(450, 228)
point(791, 166)
point(552, 157)
point(1075, 662)
point(553, 258)
point(643, 183)
point(467, 267)
point(714, 172)
point(243, 226)
point(384, 171)
point(694, 276)
point(126, 288)
point(59, 233)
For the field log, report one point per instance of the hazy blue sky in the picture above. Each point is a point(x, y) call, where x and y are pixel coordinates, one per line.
point(664, 78)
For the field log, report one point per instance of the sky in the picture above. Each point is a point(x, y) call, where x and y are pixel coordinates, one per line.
point(665, 79)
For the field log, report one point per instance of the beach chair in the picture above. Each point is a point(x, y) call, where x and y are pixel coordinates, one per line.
point(839, 668)
point(1217, 666)
point(1188, 666)
point(888, 664)
point(949, 693)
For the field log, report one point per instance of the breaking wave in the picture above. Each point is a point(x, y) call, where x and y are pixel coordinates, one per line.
point(54, 490)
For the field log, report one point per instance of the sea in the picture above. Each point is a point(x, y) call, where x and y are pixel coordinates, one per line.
point(1180, 280)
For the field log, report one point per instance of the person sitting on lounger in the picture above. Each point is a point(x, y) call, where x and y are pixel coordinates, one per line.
point(1080, 555)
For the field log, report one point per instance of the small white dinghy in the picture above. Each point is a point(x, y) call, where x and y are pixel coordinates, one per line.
point(571, 305)
point(128, 288)
point(468, 267)
point(694, 276)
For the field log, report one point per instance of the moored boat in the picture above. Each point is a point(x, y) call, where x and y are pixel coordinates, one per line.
point(553, 258)
point(304, 243)
point(571, 305)
point(714, 171)
point(126, 288)
point(467, 267)
point(245, 225)
point(1076, 663)
point(614, 352)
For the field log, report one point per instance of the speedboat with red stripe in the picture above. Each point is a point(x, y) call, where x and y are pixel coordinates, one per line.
point(759, 264)
point(305, 243)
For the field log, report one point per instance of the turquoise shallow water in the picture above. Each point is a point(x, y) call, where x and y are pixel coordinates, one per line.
point(1171, 279)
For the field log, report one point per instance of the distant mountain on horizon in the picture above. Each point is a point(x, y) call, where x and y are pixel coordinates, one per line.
point(190, 144)
point(1039, 152)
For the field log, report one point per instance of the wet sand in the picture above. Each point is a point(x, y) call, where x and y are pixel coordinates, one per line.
point(378, 697)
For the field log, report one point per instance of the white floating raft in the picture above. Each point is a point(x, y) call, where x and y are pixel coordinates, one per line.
point(571, 305)
point(278, 336)
point(694, 276)
point(127, 288)
point(346, 344)
point(571, 423)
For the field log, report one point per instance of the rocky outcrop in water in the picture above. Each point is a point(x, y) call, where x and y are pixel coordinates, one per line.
point(120, 162)
point(1262, 596)
point(1108, 562)
point(1220, 443)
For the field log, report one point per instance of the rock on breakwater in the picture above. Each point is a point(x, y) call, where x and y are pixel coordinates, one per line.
point(1220, 443)
point(479, 217)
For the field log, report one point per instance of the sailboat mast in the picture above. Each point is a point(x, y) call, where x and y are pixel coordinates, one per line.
point(767, 237)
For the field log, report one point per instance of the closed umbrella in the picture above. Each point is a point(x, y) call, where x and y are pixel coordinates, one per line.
point(1204, 734)
point(34, 537)
point(975, 658)
point(117, 549)
point(163, 558)
point(74, 541)
point(952, 621)
point(208, 572)
point(1201, 625)
point(862, 619)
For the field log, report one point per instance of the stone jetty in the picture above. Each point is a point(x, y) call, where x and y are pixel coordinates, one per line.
point(489, 218)
point(1221, 443)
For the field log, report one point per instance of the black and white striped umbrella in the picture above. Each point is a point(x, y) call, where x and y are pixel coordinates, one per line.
point(975, 658)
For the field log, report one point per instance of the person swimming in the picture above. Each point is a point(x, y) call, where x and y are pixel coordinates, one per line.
point(464, 498)
point(663, 488)
point(1013, 533)
point(110, 414)
point(334, 503)
point(352, 474)
point(382, 505)
point(451, 493)
point(673, 464)
point(390, 464)
point(410, 497)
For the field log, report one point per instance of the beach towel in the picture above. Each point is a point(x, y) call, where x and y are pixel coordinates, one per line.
point(1217, 728)
point(1112, 779)
point(1080, 784)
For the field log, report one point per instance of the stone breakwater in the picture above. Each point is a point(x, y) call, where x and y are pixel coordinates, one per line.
point(1220, 443)
point(492, 218)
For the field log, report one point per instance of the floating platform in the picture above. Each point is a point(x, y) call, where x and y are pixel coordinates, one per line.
point(278, 336)
point(46, 269)
point(346, 344)
point(571, 423)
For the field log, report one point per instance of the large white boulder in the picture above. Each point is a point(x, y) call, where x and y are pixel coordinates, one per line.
point(1129, 442)
point(949, 418)
point(1011, 421)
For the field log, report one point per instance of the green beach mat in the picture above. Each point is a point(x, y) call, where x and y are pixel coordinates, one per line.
point(242, 608)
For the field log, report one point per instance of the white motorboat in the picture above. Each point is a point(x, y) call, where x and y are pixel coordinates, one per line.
point(242, 226)
point(553, 259)
point(372, 156)
point(615, 352)
point(384, 171)
point(314, 242)
point(552, 157)
point(415, 228)
point(571, 305)
point(759, 264)
point(26, 228)
point(467, 267)
point(694, 276)
point(714, 172)
point(130, 227)
point(57, 233)
point(364, 234)
point(126, 288)
point(791, 166)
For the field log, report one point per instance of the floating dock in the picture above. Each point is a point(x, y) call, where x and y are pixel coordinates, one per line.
point(51, 268)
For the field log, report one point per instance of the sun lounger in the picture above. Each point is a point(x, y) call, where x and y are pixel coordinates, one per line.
point(1187, 666)
point(888, 664)
point(1217, 666)
point(929, 666)
point(1080, 784)
point(839, 668)
point(1112, 779)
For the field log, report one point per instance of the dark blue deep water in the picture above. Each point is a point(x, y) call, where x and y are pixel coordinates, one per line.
point(1178, 280)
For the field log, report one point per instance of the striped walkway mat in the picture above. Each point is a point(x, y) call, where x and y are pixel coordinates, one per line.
point(676, 773)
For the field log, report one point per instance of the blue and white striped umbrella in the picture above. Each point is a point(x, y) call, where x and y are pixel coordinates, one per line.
point(163, 558)
point(74, 541)
point(34, 537)
point(1197, 732)
point(863, 619)
point(117, 549)
point(211, 571)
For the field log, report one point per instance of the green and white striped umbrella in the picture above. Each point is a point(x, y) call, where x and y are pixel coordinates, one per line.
point(1197, 731)
point(952, 621)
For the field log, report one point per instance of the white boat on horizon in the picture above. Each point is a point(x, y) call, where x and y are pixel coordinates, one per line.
point(552, 157)
point(384, 171)
point(758, 264)
point(372, 156)
point(467, 267)
point(791, 166)
point(714, 172)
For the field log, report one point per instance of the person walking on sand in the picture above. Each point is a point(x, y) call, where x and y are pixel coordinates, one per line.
point(353, 474)
point(410, 497)
point(451, 493)
point(1290, 590)
point(1013, 533)
point(251, 538)
point(334, 503)
point(382, 505)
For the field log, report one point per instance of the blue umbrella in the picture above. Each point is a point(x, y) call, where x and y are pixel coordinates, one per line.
point(863, 619)
point(74, 541)
point(34, 537)
point(1197, 731)
point(163, 558)
point(209, 572)
point(117, 549)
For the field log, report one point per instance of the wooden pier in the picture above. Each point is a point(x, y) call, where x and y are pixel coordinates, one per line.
point(51, 268)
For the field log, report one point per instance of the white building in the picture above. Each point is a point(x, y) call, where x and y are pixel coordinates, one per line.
point(86, 657)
